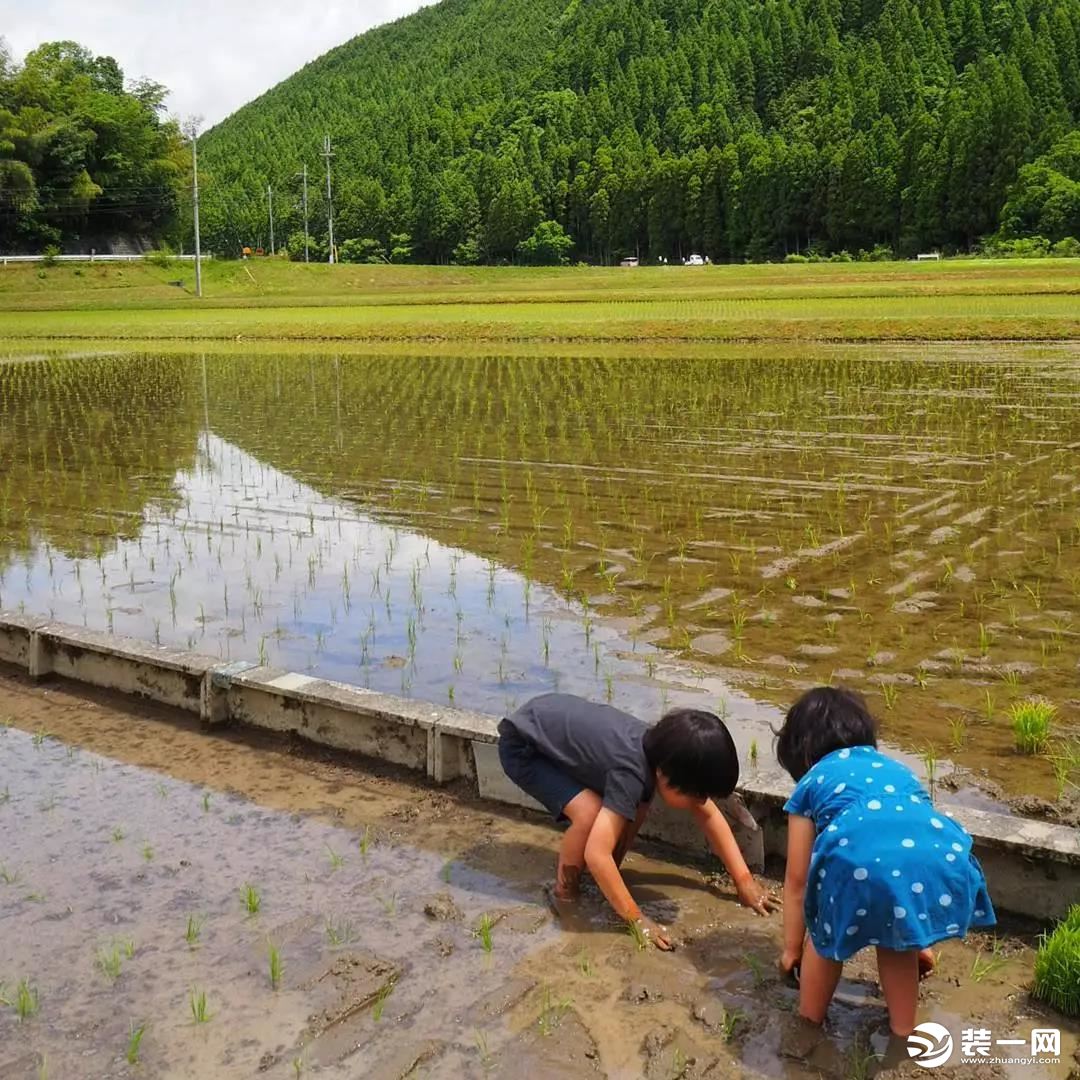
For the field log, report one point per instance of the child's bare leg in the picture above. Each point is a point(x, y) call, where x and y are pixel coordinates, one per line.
point(898, 973)
point(581, 812)
point(818, 978)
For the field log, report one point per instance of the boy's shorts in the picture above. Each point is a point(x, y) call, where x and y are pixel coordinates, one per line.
point(535, 774)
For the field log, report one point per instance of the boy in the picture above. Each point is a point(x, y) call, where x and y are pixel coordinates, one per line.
point(597, 768)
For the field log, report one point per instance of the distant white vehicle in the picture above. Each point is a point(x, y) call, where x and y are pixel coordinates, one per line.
point(632, 261)
point(695, 260)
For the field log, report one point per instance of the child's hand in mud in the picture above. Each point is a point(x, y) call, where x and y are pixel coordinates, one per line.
point(753, 896)
point(789, 965)
point(659, 935)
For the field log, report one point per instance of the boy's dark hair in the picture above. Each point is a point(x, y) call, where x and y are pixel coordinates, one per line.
point(695, 752)
point(821, 721)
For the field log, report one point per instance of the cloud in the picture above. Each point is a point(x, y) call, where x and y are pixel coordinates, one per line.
point(214, 55)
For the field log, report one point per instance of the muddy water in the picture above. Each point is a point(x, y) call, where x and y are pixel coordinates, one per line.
point(724, 530)
point(551, 999)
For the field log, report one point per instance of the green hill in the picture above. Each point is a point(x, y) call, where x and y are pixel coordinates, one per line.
point(735, 128)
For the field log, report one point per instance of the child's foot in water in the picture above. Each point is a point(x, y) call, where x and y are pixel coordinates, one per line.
point(927, 963)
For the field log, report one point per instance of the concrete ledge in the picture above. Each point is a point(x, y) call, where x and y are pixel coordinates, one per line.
point(1033, 867)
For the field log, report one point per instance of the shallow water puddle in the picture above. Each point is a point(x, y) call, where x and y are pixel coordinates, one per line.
point(123, 899)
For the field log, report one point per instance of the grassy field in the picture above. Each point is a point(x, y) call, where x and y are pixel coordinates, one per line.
point(275, 300)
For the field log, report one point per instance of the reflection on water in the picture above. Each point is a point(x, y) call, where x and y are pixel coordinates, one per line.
point(484, 529)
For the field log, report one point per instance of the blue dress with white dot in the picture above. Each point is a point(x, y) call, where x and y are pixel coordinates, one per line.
point(887, 868)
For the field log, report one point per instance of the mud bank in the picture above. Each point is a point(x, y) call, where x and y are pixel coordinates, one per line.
point(121, 819)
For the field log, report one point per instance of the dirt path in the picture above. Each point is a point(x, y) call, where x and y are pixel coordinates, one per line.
point(126, 818)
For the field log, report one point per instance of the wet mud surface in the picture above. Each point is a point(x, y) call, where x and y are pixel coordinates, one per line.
point(120, 822)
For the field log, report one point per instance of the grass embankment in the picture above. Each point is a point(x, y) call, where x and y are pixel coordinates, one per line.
point(276, 300)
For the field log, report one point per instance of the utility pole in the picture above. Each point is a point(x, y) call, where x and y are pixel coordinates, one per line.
point(193, 131)
point(305, 215)
point(328, 154)
point(270, 208)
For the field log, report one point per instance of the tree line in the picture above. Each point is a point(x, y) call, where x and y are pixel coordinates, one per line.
point(85, 155)
point(545, 130)
point(659, 127)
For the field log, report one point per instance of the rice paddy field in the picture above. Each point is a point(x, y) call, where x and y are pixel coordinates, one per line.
point(726, 529)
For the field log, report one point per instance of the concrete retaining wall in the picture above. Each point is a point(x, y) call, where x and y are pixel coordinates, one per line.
point(1033, 867)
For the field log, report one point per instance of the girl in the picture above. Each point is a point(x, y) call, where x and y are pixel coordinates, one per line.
point(870, 862)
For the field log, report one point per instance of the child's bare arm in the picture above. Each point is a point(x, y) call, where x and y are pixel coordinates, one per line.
point(630, 831)
point(723, 844)
point(801, 834)
point(600, 848)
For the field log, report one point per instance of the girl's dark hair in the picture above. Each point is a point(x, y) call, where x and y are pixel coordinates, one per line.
point(821, 721)
point(695, 752)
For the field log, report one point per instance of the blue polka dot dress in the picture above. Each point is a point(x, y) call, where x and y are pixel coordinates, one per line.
point(887, 868)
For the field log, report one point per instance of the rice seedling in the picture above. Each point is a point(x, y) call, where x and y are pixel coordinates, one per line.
point(109, 961)
point(134, 1043)
point(118, 835)
point(8, 877)
point(200, 1009)
point(1031, 720)
point(276, 967)
point(367, 838)
point(336, 861)
point(380, 1001)
point(389, 904)
point(753, 754)
point(957, 733)
point(891, 695)
point(585, 964)
point(983, 968)
point(339, 932)
point(298, 1067)
point(757, 969)
point(206, 802)
point(148, 853)
point(930, 762)
point(637, 935)
point(194, 930)
point(1057, 965)
point(483, 932)
point(860, 1059)
point(729, 1022)
point(27, 1000)
point(446, 871)
point(481, 1043)
point(552, 1011)
point(251, 899)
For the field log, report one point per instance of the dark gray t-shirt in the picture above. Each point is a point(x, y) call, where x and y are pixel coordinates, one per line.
point(598, 745)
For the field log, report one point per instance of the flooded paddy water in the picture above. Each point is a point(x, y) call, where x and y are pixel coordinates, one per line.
point(125, 826)
point(723, 529)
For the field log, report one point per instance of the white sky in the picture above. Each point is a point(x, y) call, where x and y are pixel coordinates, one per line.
point(214, 55)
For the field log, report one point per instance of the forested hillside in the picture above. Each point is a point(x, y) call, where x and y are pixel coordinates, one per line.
point(737, 128)
point(84, 156)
